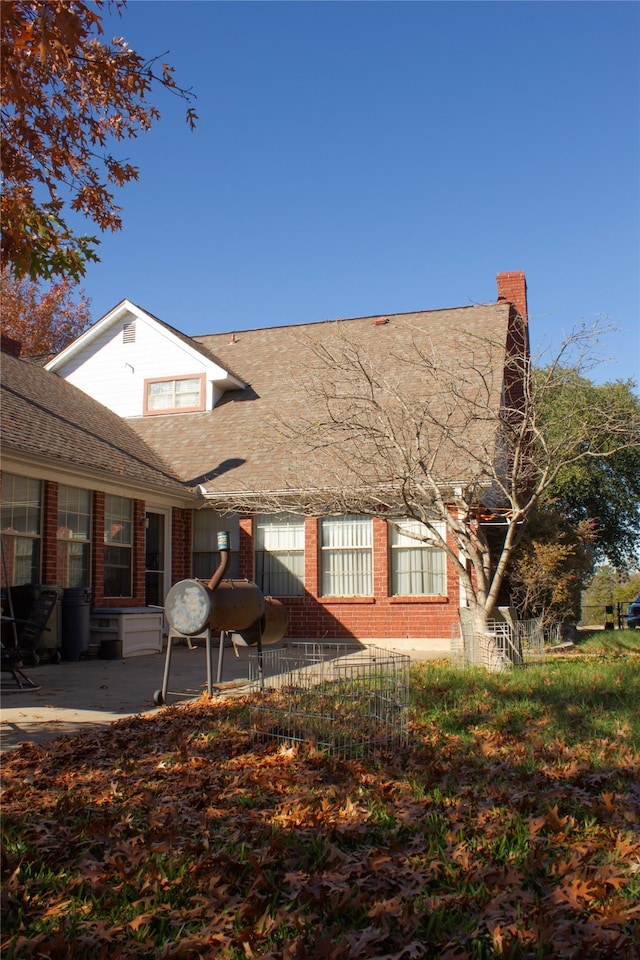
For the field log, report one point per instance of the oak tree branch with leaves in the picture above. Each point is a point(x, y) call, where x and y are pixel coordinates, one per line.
point(68, 98)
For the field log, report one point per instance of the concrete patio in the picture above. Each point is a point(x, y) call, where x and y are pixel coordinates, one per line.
point(77, 696)
point(89, 694)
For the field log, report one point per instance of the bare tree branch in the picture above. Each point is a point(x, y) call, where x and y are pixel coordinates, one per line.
point(438, 435)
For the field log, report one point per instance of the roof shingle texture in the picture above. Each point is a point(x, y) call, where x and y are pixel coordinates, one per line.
point(47, 417)
point(233, 447)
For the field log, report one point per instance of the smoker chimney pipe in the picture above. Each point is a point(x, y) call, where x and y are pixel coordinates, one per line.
point(236, 607)
point(223, 547)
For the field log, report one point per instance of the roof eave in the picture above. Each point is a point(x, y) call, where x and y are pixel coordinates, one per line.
point(62, 471)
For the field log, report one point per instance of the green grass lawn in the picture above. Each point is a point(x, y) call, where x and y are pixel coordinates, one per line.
point(509, 827)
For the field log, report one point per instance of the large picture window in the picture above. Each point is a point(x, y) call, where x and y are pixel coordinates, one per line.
point(279, 554)
point(177, 395)
point(205, 557)
point(347, 556)
point(21, 529)
point(118, 546)
point(74, 537)
point(417, 568)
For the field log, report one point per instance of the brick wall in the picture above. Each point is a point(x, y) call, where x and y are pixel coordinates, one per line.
point(97, 556)
point(246, 548)
point(512, 287)
point(377, 617)
point(49, 573)
point(181, 527)
point(97, 550)
point(137, 573)
point(311, 616)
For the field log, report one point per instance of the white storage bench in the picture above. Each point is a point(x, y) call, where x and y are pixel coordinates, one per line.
point(122, 632)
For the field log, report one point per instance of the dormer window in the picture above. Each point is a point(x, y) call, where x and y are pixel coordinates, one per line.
point(176, 395)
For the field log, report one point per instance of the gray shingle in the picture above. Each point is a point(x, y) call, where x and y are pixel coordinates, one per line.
point(46, 417)
point(233, 447)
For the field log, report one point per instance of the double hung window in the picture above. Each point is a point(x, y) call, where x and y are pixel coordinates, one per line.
point(21, 529)
point(346, 556)
point(417, 568)
point(74, 537)
point(118, 546)
point(178, 395)
point(279, 554)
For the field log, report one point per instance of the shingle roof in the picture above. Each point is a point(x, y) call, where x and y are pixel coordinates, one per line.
point(232, 448)
point(47, 417)
point(193, 343)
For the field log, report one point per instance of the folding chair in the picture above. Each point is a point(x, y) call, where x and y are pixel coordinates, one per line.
point(26, 634)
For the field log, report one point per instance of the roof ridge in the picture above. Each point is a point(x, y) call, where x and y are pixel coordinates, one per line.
point(371, 316)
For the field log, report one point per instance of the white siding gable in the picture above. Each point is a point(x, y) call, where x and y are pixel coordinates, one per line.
point(113, 359)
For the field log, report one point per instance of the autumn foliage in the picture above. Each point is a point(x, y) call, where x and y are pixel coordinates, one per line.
point(42, 320)
point(69, 97)
point(507, 829)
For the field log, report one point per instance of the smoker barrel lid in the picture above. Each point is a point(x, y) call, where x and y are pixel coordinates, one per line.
point(187, 607)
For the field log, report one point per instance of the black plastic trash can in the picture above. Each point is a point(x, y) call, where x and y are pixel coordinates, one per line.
point(76, 622)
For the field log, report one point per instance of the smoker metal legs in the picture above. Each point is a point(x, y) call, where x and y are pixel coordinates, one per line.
point(160, 696)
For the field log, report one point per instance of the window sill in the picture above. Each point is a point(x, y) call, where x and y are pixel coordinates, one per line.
point(421, 599)
point(341, 601)
point(172, 411)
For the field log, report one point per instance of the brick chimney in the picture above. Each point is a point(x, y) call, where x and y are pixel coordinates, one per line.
point(512, 287)
point(9, 345)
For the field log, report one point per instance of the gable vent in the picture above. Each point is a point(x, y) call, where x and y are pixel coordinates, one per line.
point(129, 332)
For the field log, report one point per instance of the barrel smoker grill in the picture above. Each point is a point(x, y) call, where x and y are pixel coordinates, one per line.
point(234, 608)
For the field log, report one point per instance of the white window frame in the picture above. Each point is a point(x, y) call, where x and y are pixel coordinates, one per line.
point(74, 536)
point(173, 393)
point(205, 557)
point(279, 554)
point(416, 568)
point(118, 534)
point(346, 556)
point(22, 508)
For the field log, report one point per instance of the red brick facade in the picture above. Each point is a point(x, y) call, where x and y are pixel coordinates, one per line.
point(377, 617)
point(181, 527)
point(49, 531)
point(310, 616)
point(512, 287)
point(97, 556)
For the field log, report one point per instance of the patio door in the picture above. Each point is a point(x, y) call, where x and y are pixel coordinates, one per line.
point(156, 558)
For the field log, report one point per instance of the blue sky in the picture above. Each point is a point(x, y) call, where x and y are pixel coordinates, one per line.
point(357, 158)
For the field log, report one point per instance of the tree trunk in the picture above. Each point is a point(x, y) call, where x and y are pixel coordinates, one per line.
point(480, 618)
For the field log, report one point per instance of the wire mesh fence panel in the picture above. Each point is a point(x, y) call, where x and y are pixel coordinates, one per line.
point(458, 654)
point(349, 702)
point(531, 635)
point(501, 647)
point(507, 643)
point(492, 647)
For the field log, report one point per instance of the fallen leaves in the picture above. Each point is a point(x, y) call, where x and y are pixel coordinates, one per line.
point(177, 836)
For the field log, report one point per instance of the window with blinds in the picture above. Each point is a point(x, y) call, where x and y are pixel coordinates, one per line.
point(21, 529)
point(74, 537)
point(279, 554)
point(205, 558)
point(417, 568)
point(346, 556)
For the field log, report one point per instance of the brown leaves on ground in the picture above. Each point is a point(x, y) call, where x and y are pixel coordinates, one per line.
point(178, 836)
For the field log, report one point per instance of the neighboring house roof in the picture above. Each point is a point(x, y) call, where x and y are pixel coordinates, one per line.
point(233, 447)
point(46, 419)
